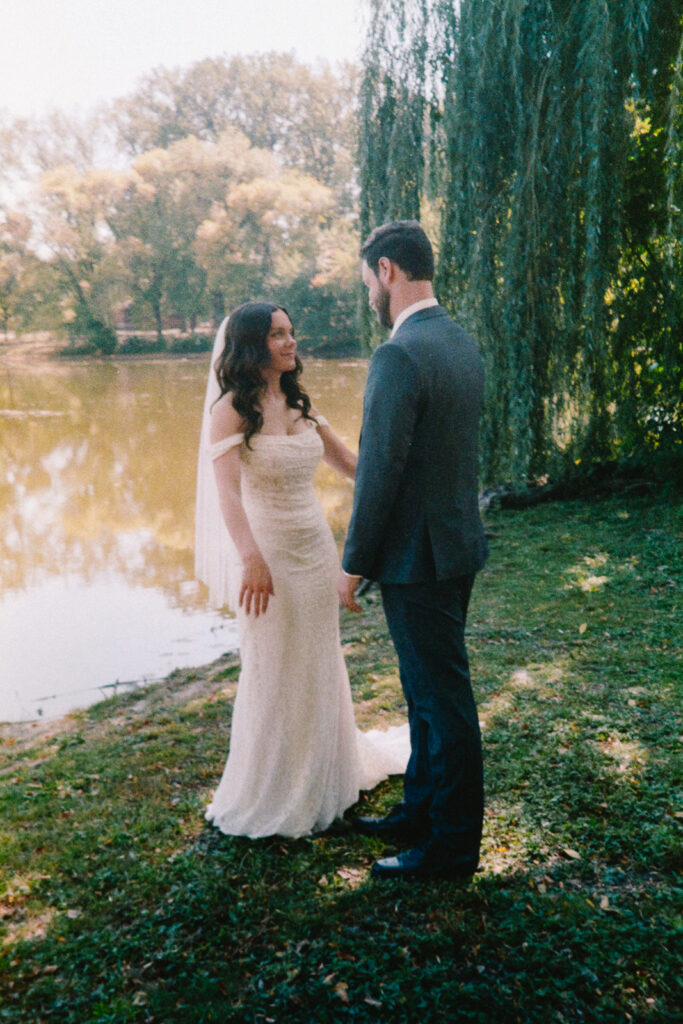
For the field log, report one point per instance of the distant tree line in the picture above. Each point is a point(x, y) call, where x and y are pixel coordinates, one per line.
point(230, 180)
point(541, 142)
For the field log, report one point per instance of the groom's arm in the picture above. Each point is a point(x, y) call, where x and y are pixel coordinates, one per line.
point(390, 409)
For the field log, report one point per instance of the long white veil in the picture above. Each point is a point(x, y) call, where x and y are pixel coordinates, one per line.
point(216, 561)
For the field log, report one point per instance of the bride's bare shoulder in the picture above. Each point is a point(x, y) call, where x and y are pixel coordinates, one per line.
point(225, 420)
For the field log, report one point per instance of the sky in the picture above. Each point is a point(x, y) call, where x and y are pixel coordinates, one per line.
point(71, 55)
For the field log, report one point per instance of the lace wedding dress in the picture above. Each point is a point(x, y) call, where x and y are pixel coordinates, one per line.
point(296, 760)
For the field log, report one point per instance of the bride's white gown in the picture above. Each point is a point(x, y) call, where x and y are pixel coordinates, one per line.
point(296, 760)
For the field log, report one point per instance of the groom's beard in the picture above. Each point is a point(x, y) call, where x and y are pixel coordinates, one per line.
point(382, 310)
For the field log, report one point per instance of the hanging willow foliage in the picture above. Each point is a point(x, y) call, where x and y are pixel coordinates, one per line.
point(552, 130)
point(392, 105)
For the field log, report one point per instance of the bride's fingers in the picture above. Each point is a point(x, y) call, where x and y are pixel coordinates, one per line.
point(257, 588)
point(257, 598)
point(264, 593)
point(265, 596)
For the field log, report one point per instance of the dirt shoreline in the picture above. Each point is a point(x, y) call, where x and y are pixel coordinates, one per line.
point(25, 350)
point(180, 686)
point(44, 350)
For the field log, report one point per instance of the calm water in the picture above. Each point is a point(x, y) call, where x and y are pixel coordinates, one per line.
point(97, 480)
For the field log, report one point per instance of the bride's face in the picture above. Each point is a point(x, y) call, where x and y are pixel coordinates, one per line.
point(281, 343)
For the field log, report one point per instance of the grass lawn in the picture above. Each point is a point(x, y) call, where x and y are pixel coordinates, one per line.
point(119, 903)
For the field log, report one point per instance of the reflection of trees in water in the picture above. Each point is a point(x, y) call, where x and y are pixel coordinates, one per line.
point(106, 482)
point(107, 487)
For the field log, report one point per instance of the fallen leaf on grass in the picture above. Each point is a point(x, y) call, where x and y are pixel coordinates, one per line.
point(572, 854)
point(341, 990)
point(354, 876)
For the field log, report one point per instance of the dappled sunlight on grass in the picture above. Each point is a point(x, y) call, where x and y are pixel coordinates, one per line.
point(203, 700)
point(540, 681)
point(368, 716)
point(27, 925)
point(346, 878)
point(23, 917)
point(16, 887)
point(629, 756)
point(506, 839)
point(583, 574)
point(563, 733)
point(379, 701)
point(521, 679)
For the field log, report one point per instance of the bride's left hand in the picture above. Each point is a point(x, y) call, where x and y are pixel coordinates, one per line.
point(257, 585)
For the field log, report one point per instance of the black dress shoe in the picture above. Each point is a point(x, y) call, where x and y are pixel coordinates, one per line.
point(396, 825)
point(432, 860)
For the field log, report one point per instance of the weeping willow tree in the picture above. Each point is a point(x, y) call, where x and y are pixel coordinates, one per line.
point(392, 105)
point(548, 133)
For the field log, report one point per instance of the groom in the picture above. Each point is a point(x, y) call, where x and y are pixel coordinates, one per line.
point(416, 529)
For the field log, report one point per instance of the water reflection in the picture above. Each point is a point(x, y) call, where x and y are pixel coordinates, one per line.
point(97, 478)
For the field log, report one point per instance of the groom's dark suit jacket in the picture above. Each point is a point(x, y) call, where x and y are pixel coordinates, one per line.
point(415, 511)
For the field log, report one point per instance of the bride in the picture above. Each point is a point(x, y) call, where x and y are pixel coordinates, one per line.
point(296, 760)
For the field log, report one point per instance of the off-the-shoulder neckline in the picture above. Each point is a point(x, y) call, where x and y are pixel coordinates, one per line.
point(299, 433)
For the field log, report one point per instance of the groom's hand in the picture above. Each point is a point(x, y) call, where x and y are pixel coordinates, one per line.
point(346, 588)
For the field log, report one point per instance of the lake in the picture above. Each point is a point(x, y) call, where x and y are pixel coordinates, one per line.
point(97, 489)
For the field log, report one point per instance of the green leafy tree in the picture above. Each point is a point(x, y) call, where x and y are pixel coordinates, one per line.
point(305, 117)
point(326, 302)
point(264, 234)
point(15, 232)
point(72, 215)
point(536, 155)
point(392, 106)
point(242, 180)
point(646, 300)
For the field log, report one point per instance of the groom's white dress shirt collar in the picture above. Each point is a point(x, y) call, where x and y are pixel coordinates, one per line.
point(409, 310)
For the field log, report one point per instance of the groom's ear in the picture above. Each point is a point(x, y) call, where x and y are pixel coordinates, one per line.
point(385, 270)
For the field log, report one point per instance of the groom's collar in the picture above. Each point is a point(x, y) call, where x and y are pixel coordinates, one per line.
point(409, 310)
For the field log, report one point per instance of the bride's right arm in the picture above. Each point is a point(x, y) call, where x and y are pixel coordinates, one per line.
point(336, 454)
point(257, 583)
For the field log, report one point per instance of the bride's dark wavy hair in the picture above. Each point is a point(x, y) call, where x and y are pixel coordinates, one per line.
point(245, 354)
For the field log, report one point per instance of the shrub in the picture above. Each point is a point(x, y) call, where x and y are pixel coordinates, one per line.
point(191, 343)
point(135, 345)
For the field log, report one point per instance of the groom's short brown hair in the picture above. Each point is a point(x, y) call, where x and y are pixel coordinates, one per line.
point(403, 242)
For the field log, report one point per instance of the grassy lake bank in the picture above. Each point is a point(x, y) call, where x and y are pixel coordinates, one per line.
point(119, 903)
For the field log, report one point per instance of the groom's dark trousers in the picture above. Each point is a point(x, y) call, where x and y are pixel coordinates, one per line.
point(443, 784)
point(416, 529)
